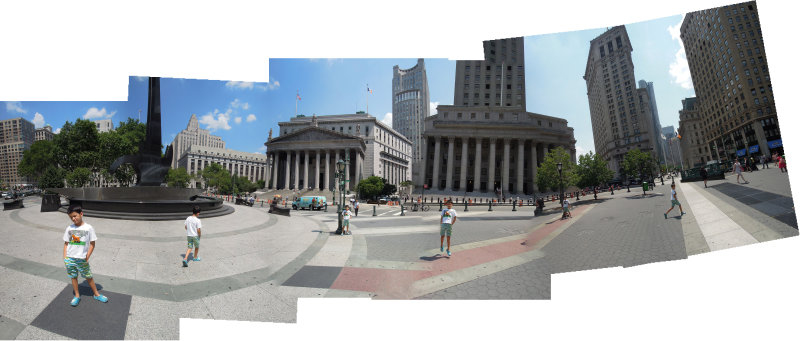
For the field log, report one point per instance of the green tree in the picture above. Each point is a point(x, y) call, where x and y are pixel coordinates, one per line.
point(261, 184)
point(547, 174)
point(178, 177)
point(52, 177)
point(638, 164)
point(388, 189)
point(592, 170)
point(217, 177)
point(36, 159)
point(77, 145)
point(79, 177)
point(370, 187)
point(244, 185)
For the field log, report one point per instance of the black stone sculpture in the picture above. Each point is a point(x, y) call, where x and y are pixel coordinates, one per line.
point(151, 169)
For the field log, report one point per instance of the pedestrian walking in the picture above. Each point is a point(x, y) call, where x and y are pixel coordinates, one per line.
point(764, 163)
point(737, 169)
point(704, 175)
point(355, 207)
point(79, 243)
point(446, 222)
point(674, 199)
point(346, 220)
point(566, 213)
point(193, 226)
point(782, 164)
point(775, 158)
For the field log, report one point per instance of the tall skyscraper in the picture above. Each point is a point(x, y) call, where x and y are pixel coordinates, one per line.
point(410, 107)
point(725, 50)
point(16, 136)
point(691, 142)
point(193, 136)
point(496, 81)
point(655, 120)
point(621, 114)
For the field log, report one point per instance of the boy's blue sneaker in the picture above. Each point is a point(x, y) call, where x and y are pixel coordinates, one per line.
point(665, 216)
point(441, 248)
point(197, 259)
point(75, 301)
point(101, 298)
point(185, 263)
point(448, 252)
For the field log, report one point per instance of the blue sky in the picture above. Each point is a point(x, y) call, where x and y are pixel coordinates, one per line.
point(243, 112)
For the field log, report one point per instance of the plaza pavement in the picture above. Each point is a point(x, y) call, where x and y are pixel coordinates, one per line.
point(255, 266)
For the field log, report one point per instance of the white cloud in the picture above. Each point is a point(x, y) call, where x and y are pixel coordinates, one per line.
point(12, 107)
point(240, 85)
point(433, 108)
point(246, 106)
point(580, 151)
point(216, 120)
point(141, 79)
point(57, 131)
point(261, 149)
point(679, 68)
point(251, 118)
point(269, 86)
point(237, 120)
point(387, 119)
point(38, 120)
point(94, 113)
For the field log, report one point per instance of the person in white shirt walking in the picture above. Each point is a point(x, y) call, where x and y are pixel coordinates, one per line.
point(193, 233)
point(446, 222)
point(737, 169)
point(674, 199)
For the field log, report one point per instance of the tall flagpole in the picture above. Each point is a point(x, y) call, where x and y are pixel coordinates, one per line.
point(367, 98)
point(295, 102)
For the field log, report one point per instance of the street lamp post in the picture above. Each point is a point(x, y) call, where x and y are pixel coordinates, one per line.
point(560, 184)
point(340, 182)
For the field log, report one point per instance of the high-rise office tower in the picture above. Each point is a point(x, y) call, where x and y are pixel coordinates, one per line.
point(193, 135)
point(643, 84)
point(725, 50)
point(410, 107)
point(620, 113)
point(496, 81)
point(16, 136)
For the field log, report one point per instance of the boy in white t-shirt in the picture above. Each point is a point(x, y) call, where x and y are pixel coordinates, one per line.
point(448, 218)
point(77, 253)
point(674, 200)
point(566, 213)
point(193, 233)
point(346, 220)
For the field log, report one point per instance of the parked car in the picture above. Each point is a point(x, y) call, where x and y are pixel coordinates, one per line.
point(310, 203)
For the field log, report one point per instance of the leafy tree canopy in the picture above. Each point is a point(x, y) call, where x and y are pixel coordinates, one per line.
point(547, 176)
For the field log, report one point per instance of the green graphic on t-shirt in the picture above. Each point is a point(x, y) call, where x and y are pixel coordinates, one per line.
point(77, 243)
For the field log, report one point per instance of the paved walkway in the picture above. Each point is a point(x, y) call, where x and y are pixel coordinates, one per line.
point(255, 265)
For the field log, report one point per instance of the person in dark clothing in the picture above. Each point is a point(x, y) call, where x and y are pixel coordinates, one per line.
point(704, 175)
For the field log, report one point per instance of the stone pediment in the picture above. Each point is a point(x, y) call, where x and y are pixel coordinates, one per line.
point(313, 134)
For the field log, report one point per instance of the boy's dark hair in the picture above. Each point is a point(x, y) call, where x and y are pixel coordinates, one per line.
point(75, 208)
point(195, 209)
point(448, 202)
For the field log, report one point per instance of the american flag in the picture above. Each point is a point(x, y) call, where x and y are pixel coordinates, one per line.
point(298, 96)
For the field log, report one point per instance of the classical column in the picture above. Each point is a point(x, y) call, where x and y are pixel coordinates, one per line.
point(327, 170)
point(422, 163)
point(359, 162)
point(347, 170)
point(288, 170)
point(451, 157)
point(316, 173)
point(533, 165)
point(306, 163)
point(476, 183)
point(506, 166)
point(492, 163)
point(464, 157)
point(297, 170)
point(436, 162)
point(520, 166)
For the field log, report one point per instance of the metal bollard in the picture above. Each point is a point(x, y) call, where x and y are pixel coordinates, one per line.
point(629, 187)
point(326, 207)
point(402, 210)
point(514, 206)
point(440, 205)
point(374, 211)
point(466, 207)
point(490, 206)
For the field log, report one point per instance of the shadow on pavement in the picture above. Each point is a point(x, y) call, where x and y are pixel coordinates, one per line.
point(433, 258)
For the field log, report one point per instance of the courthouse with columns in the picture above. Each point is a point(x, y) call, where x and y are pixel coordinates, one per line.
point(487, 140)
point(304, 156)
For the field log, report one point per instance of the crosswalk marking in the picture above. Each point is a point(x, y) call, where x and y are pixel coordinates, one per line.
point(719, 230)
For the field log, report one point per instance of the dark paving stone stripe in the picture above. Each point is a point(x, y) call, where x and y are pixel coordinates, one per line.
point(91, 319)
point(178, 293)
point(776, 206)
point(271, 221)
point(314, 277)
point(9, 329)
